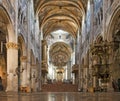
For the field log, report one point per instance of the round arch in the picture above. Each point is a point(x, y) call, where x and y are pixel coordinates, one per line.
point(22, 44)
point(113, 35)
point(7, 36)
point(113, 20)
point(8, 24)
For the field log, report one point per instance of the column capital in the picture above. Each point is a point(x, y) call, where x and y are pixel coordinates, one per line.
point(23, 58)
point(11, 45)
point(44, 42)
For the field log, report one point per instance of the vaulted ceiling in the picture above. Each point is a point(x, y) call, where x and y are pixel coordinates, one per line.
point(63, 15)
point(3, 25)
point(60, 53)
point(60, 14)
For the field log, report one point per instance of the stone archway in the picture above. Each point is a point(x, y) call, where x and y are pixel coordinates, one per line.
point(113, 26)
point(22, 65)
point(3, 58)
point(113, 36)
point(115, 59)
point(8, 47)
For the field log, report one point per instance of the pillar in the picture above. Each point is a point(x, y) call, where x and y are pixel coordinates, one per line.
point(86, 77)
point(12, 64)
point(94, 82)
point(44, 50)
point(69, 70)
point(23, 71)
point(38, 76)
point(33, 77)
point(73, 78)
point(44, 59)
point(28, 70)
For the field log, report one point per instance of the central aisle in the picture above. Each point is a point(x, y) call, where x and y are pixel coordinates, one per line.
point(59, 96)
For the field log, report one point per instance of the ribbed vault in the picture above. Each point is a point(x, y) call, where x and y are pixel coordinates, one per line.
point(63, 15)
point(60, 53)
point(60, 14)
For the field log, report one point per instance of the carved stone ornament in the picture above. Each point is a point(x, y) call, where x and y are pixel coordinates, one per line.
point(23, 58)
point(11, 45)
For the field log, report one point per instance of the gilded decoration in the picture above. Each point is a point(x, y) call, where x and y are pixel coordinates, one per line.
point(11, 45)
point(100, 52)
point(60, 70)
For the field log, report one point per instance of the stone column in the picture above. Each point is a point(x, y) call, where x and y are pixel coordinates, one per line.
point(80, 65)
point(86, 77)
point(94, 82)
point(33, 77)
point(66, 73)
point(28, 70)
point(69, 70)
point(23, 70)
point(12, 64)
point(37, 80)
point(44, 59)
point(44, 50)
point(73, 79)
point(81, 78)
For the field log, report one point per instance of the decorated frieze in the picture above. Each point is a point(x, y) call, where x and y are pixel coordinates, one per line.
point(12, 45)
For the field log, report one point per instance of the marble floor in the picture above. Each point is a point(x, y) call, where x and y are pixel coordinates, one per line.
point(55, 96)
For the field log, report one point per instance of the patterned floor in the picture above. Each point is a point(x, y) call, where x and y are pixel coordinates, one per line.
point(78, 96)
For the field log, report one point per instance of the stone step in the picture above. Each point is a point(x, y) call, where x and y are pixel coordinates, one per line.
point(59, 88)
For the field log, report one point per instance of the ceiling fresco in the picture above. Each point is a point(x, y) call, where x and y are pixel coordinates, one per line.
point(63, 15)
point(60, 53)
point(60, 14)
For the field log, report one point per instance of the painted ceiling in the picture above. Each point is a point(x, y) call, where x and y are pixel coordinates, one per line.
point(60, 14)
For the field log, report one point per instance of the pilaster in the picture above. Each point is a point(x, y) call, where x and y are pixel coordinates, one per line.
point(23, 69)
point(12, 64)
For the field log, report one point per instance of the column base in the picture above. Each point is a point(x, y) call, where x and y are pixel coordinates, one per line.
point(12, 83)
point(25, 89)
point(110, 89)
point(11, 90)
